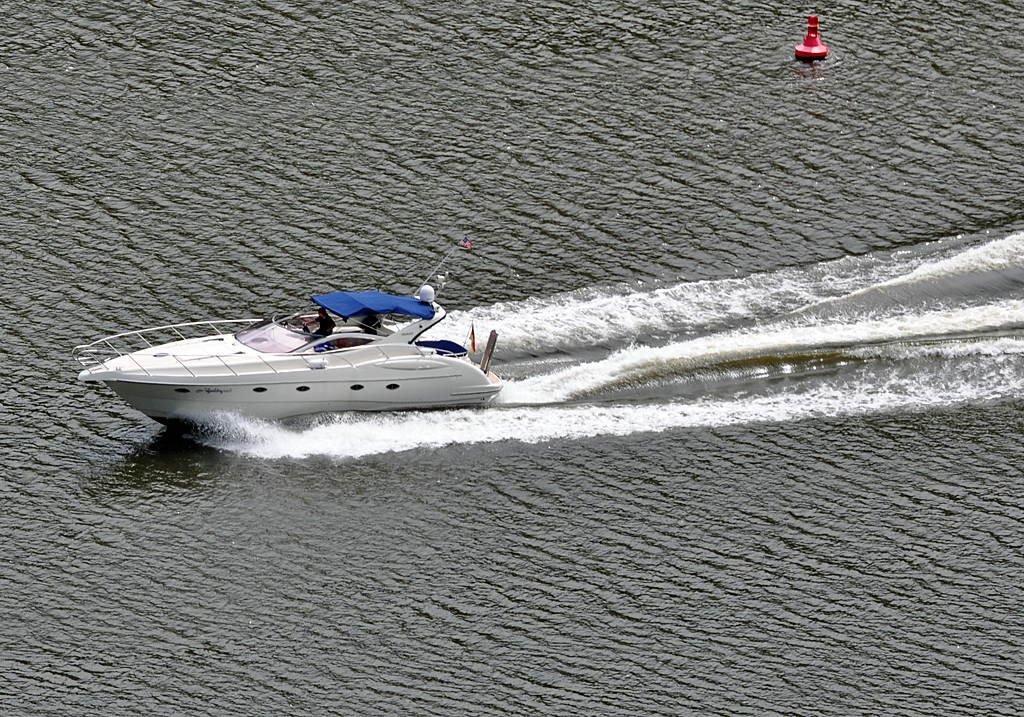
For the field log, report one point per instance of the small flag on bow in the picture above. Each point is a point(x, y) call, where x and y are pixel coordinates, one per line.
point(466, 243)
point(472, 338)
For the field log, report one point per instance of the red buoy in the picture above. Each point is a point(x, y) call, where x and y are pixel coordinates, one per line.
point(811, 48)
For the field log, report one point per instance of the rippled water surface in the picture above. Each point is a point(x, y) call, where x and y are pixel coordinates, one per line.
point(762, 325)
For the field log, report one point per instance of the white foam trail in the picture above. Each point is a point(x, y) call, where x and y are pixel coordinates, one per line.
point(633, 366)
point(984, 369)
point(1000, 254)
point(595, 316)
point(354, 436)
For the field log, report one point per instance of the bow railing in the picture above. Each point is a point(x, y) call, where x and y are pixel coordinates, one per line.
point(101, 350)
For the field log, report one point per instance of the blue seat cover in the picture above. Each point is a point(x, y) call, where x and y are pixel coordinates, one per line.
point(443, 346)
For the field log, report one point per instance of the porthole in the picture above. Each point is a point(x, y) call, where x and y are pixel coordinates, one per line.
point(181, 390)
point(356, 387)
point(259, 389)
point(391, 386)
point(302, 388)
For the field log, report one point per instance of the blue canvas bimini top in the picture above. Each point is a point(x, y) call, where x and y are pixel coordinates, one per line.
point(354, 303)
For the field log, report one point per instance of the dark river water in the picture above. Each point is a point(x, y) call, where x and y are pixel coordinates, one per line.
point(762, 324)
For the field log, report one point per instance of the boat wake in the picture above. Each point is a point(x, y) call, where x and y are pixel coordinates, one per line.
point(861, 335)
point(885, 338)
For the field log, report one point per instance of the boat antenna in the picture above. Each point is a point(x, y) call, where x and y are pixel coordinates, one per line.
point(465, 243)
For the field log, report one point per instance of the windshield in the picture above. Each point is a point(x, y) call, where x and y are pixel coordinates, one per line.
point(271, 338)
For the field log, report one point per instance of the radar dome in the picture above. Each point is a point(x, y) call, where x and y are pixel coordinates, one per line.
point(427, 293)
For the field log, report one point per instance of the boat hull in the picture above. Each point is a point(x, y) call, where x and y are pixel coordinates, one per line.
point(316, 392)
point(273, 369)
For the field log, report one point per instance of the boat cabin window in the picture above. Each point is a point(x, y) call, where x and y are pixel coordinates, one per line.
point(345, 342)
point(272, 338)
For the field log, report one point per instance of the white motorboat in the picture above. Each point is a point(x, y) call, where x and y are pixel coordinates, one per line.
point(371, 359)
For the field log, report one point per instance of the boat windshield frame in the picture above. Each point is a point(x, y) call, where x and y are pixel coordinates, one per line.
point(271, 336)
point(284, 334)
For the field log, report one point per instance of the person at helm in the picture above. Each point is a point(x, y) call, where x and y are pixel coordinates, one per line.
point(325, 324)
